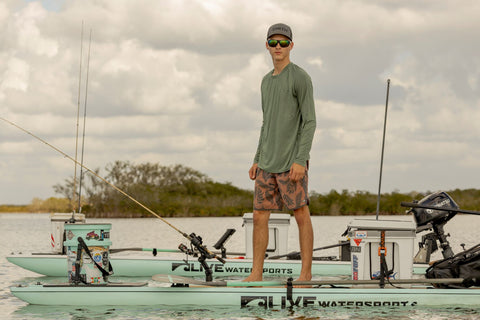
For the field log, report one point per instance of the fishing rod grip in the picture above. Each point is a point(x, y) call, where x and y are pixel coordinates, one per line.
point(220, 259)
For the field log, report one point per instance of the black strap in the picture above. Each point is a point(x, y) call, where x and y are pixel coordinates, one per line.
point(382, 251)
point(103, 271)
point(76, 278)
point(289, 291)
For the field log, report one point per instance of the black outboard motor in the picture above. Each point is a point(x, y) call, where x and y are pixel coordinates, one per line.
point(427, 217)
point(433, 219)
point(464, 265)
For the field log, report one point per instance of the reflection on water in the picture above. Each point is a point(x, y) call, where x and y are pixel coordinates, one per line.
point(30, 233)
point(191, 312)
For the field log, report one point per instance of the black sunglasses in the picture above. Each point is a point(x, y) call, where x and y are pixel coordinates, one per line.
point(283, 43)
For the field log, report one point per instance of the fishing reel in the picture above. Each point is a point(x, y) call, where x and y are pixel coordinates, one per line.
point(199, 250)
point(187, 251)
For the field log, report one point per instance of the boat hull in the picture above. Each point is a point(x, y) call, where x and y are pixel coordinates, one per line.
point(131, 266)
point(265, 297)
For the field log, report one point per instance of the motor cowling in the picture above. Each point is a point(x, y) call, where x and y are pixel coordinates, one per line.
point(441, 199)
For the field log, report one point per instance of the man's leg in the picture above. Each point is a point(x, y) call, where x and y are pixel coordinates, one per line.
point(305, 230)
point(260, 243)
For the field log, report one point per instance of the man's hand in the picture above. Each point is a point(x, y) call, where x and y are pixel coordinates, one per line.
point(253, 171)
point(297, 172)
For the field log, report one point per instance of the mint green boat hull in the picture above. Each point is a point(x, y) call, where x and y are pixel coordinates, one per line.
point(56, 266)
point(265, 297)
point(131, 266)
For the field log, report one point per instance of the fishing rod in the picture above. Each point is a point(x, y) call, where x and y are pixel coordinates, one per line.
point(84, 122)
point(417, 205)
point(195, 240)
point(296, 253)
point(383, 148)
point(76, 134)
point(155, 251)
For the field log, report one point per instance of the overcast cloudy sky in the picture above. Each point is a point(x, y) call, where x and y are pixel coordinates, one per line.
point(177, 82)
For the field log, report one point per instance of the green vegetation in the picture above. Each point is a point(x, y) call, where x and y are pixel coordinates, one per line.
point(170, 191)
point(40, 206)
point(179, 191)
point(49, 205)
point(13, 208)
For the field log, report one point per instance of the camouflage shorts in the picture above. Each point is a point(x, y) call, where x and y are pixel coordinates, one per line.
point(274, 191)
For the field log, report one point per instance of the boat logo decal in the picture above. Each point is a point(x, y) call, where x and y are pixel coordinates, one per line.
point(94, 280)
point(355, 267)
point(220, 268)
point(97, 257)
point(357, 241)
point(92, 235)
point(312, 301)
point(360, 234)
point(356, 249)
point(70, 235)
point(105, 258)
point(376, 274)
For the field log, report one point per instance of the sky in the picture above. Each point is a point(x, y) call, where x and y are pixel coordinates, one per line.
point(178, 82)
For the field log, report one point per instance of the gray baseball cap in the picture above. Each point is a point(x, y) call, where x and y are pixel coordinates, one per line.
point(280, 28)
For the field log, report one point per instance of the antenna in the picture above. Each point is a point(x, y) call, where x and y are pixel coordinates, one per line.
point(84, 121)
point(383, 148)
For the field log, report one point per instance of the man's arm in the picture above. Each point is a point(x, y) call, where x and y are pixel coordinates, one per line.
point(253, 171)
point(304, 90)
point(296, 172)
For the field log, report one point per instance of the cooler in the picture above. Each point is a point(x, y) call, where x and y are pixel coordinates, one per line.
point(364, 237)
point(277, 234)
point(97, 239)
point(58, 221)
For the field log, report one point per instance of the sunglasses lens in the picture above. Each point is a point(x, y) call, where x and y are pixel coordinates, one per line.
point(272, 43)
point(283, 43)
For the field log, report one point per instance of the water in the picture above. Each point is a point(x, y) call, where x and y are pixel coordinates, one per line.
point(30, 233)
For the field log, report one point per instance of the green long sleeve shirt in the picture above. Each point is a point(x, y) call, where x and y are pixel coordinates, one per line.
point(288, 120)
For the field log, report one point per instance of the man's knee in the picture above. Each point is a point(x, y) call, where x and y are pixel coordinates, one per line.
point(261, 217)
point(302, 215)
point(301, 211)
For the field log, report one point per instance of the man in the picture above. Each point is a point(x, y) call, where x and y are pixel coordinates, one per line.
point(281, 161)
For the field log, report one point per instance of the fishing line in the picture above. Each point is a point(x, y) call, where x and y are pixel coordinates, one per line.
point(195, 240)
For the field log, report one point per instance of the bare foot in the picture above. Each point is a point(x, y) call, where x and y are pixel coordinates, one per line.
point(252, 278)
point(303, 279)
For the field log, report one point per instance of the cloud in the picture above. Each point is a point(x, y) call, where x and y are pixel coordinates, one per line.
point(179, 82)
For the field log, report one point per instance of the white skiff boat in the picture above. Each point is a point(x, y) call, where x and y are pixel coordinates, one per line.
point(55, 265)
point(270, 295)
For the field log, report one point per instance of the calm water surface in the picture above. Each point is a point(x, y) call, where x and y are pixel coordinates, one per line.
point(30, 233)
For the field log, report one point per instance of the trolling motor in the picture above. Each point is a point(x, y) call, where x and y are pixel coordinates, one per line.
point(432, 213)
point(196, 243)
